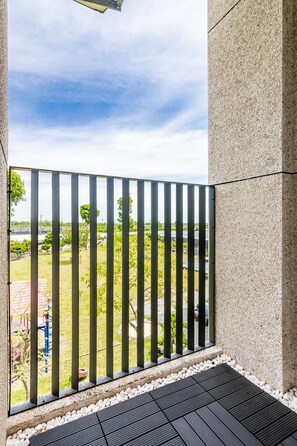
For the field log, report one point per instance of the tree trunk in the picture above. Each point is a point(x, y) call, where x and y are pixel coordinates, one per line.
point(26, 388)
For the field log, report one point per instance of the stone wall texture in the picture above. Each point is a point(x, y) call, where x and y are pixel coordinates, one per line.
point(252, 151)
point(289, 278)
point(3, 223)
point(218, 9)
point(245, 92)
point(290, 86)
point(255, 295)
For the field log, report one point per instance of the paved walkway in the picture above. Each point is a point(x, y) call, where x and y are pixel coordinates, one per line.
point(217, 407)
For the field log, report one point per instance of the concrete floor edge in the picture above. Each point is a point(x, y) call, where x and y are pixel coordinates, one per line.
point(47, 412)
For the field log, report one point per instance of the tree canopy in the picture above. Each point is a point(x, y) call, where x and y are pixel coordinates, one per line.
point(18, 191)
point(85, 213)
point(132, 223)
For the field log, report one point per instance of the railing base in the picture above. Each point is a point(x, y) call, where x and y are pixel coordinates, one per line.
point(52, 406)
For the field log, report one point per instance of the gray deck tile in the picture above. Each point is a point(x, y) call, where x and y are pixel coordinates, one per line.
point(185, 407)
point(265, 417)
point(218, 427)
point(180, 395)
point(135, 430)
point(252, 406)
point(235, 426)
point(52, 435)
point(185, 431)
point(240, 396)
point(99, 442)
point(291, 441)
point(129, 417)
point(172, 387)
point(276, 432)
point(210, 373)
point(218, 380)
point(203, 431)
point(177, 441)
point(157, 437)
point(125, 406)
point(229, 387)
point(82, 438)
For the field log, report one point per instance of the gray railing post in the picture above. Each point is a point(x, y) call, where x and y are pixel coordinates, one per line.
point(110, 278)
point(93, 279)
point(34, 289)
point(125, 276)
point(75, 280)
point(201, 263)
point(56, 283)
point(191, 274)
point(140, 273)
point(154, 272)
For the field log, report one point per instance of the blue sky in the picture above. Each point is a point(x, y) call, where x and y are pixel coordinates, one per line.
point(117, 93)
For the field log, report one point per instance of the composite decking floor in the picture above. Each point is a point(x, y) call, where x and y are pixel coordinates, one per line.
point(217, 407)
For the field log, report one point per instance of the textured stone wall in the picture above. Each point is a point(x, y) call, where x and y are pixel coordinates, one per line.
point(218, 9)
point(3, 222)
point(252, 150)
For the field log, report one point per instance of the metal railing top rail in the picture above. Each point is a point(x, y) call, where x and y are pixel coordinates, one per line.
point(115, 177)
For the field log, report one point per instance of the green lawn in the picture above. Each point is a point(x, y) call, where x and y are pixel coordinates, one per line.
point(20, 270)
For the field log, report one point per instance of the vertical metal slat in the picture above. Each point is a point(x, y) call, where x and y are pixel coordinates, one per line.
point(140, 273)
point(167, 271)
point(56, 283)
point(93, 279)
point(34, 289)
point(211, 264)
point(154, 272)
point(109, 277)
point(191, 275)
point(125, 277)
point(179, 269)
point(75, 280)
point(202, 266)
point(9, 193)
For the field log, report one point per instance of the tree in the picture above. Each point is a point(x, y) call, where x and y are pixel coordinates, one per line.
point(173, 333)
point(66, 237)
point(17, 191)
point(132, 223)
point(21, 357)
point(47, 242)
point(85, 213)
point(83, 238)
point(117, 276)
point(117, 273)
point(20, 248)
point(20, 350)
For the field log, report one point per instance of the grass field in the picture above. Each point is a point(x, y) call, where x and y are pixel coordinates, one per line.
point(20, 270)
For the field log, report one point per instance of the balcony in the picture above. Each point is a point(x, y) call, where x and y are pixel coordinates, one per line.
point(120, 294)
point(252, 163)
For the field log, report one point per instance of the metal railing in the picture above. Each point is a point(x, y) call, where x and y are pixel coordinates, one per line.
point(155, 287)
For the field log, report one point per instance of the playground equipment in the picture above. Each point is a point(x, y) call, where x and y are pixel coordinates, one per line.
point(46, 328)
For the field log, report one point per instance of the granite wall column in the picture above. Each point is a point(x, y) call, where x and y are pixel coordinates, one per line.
point(252, 162)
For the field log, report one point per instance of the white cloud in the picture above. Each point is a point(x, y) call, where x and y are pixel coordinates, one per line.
point(163, 153)
point(162, 40)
